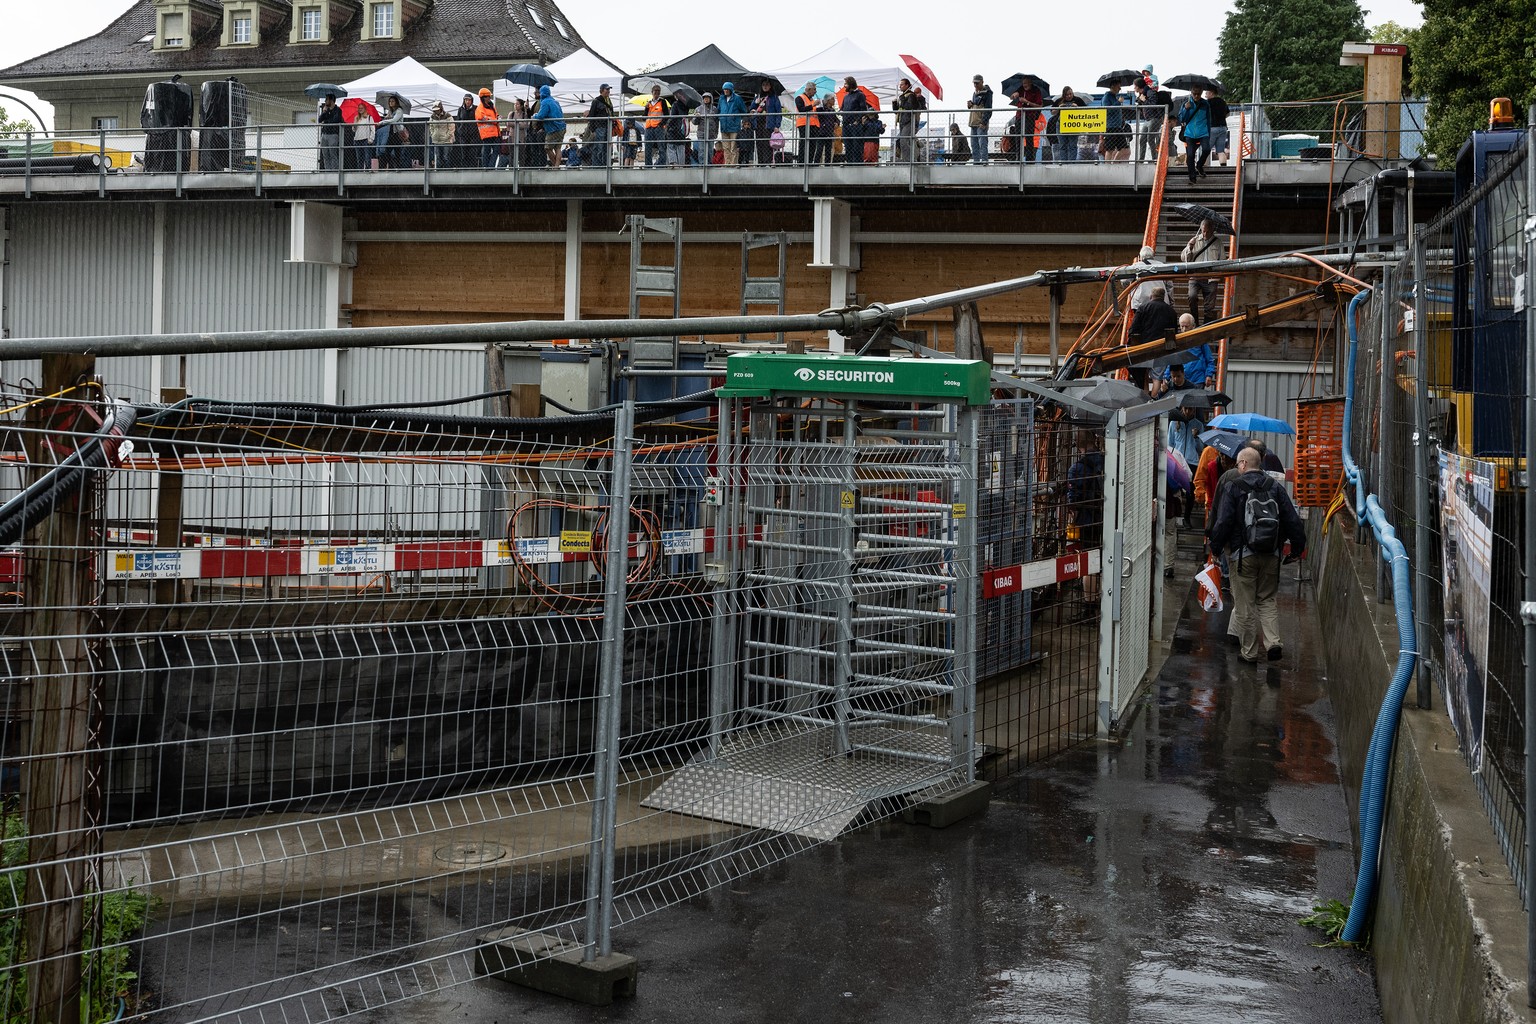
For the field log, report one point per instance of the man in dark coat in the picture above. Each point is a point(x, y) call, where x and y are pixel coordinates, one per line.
point(1256, 577)
point(1155, 319)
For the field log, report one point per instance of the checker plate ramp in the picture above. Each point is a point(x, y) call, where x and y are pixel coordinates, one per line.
point(788, 779)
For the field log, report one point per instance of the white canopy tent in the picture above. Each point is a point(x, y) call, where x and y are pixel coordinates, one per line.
point(411, 79)
point(844, 58)
point(577, 78)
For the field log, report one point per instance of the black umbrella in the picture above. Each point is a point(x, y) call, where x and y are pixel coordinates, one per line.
point(689, 94)
point(1197, 213)
point(320, 90)
point(751, 84)
point(532, 75)
point(1124, 76)
point(1012, 83)
point(382, 99)
point(1229, 444)
point(1111, 393)
point(1192, 82)
point(1202, 400)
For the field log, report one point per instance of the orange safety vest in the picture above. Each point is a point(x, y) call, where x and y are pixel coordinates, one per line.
point(807, 108)
point(487, 119)
point(656, 109)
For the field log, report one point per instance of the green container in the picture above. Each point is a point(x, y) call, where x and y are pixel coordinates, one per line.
point(1282, 146)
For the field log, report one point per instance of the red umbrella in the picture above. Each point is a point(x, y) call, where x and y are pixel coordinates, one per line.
point(355, 107)
point(874, 101)
point(924, 74)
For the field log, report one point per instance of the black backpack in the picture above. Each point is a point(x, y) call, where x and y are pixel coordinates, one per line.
point(1261, 519)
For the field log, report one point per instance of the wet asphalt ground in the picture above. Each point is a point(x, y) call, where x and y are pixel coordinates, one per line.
point(1155, 879)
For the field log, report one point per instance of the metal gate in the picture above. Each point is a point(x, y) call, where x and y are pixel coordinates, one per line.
point(844, 662)
point(1134, 490)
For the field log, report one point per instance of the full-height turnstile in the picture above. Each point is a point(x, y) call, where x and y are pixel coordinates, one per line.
point(844, 620)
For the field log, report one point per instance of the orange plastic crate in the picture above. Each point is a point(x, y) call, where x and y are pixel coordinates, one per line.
point(1319, 460)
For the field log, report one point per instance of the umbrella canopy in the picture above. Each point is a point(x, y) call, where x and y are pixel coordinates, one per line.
point(752, 83)
point(645, 83)
point(1124, 76)
point(1201, 399)
point(320, 90)
point(1191, 82)
point(1012, 83)
point(825, 86)
point(873, 100)
point(357, 108)
point(1111, 393)
point(530, 75)
point(1251, 423)
point(1224, 441)
point(382, 99)
point(689, 94)
point(1179, 476)
point(924, 74)
point(1197, 213)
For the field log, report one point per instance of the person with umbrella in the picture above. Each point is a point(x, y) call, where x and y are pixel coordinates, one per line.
point(1116, 143)
point(1028, 99)
point(465, 135)
point(1203, 247)
point(387, 151)
point(907, 106)
point(1195, 120)
point(855, 113)
point(1064, 144)
point(1149, 113)
point(330, 119)
point(980, 106)
point(767, 118)
point(1221, 136)
point(677, 125)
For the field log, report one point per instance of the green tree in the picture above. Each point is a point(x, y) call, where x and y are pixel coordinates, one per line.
point(9, 127)
point(1299, 44)
point(1466, 53)
point(1392, 32)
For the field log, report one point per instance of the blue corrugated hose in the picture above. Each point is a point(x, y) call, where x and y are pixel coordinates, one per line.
point(1378, 759)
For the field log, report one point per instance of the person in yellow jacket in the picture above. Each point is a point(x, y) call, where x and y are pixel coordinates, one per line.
point(806, 119)
point(490, 130)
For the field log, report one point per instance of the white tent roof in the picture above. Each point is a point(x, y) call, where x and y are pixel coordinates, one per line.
point(841, 59)
point(577, 78)
point(411, 79)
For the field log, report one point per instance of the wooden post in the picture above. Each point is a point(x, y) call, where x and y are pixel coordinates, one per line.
point(55, 793)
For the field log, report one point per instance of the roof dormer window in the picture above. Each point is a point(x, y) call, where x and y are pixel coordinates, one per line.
point(240, 29)
point(560, 27)
point(310, 23)
point(383, 21)
point(173, 31)
point(535, 16)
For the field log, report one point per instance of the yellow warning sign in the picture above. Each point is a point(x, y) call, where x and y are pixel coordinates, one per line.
point(959, 509)
point(575, 542)
point(327, 558)
point(1078, 120)
point(848, 498)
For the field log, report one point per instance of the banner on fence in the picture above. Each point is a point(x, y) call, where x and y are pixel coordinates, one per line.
point(1466, 529)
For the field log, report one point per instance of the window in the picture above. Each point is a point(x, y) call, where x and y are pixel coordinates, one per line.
point(173, 30)
point(240, 28)
point(309, 23)
point(535, 16)
point(560, 25)
point(383, 21)
point(104, 124)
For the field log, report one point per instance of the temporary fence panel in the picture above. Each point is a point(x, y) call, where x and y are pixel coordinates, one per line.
point(1132, 471)
point(844, 668)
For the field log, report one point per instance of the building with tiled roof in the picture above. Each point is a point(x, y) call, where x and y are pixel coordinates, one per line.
point(276, 47)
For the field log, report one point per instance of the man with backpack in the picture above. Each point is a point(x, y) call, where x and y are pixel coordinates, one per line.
point(1254, 520)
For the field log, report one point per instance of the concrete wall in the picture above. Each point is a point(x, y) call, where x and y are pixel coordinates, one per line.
point(1449, 931)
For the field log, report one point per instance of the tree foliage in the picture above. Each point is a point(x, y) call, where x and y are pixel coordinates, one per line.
point(1466, 53)
point(1299, 44)
point(9, 127)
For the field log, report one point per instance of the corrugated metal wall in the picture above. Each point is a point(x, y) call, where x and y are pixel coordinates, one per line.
point(1271, 389)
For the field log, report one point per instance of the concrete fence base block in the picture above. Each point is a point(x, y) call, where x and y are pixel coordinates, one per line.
point(942, 810)
point(554, 965)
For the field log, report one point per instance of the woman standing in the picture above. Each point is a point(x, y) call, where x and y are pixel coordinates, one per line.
point(386, 146)
point(465, 136)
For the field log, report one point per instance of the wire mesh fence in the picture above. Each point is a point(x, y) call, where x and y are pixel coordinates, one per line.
point(311, 709)
point(1439, 434)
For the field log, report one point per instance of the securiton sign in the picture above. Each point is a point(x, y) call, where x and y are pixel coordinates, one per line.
point(761, 374)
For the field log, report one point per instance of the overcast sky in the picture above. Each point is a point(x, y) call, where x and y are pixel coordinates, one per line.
point(1067, 44)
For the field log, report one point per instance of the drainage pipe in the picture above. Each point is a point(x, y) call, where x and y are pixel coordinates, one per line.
point(1378, 758)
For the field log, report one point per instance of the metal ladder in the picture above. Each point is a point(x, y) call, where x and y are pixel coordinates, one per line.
point(654, 281)
point(763, 291)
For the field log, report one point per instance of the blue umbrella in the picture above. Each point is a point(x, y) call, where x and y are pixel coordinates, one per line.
point(824, 84)
point(320, 90)
point(529, 74)
point(1251, 423)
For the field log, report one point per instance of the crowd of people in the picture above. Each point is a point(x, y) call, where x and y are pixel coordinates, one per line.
point(725, 126)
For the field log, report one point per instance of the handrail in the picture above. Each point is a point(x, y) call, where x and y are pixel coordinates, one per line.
point(1154, 212)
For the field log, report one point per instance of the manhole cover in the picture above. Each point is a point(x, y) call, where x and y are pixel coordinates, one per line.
point(470, 853)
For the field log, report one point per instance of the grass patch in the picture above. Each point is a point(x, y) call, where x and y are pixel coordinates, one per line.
point(1330, 918)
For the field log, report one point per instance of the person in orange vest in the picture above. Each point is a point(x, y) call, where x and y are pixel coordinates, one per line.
point(490, 130)
point(806, 119)
point(656, 111)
